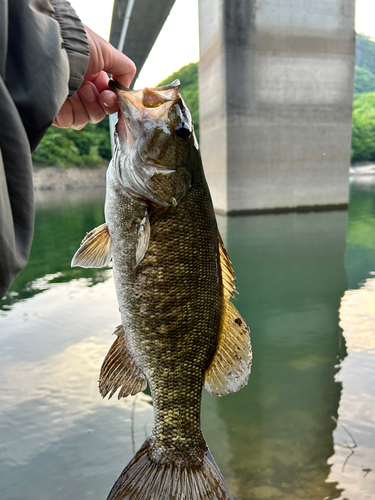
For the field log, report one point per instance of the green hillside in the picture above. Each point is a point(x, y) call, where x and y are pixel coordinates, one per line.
point(364, 80)
point(75, 148)
point(363, 124)
point(363, 127)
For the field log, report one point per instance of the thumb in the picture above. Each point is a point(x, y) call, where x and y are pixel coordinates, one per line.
point(104, 57)
point(120, 66)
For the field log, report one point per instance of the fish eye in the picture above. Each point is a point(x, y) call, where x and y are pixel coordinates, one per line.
point(182, 132)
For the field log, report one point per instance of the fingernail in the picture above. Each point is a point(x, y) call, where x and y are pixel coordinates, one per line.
point(87, 93)
point(110, 102)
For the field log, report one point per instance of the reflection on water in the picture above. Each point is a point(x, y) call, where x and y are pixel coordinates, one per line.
point(62, 220)
point(276, 438)
point(353, 462)
point(291, 278)
point(56, 327)
point(355, 450)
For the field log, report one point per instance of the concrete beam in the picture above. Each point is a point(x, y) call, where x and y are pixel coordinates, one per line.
point(146, 22)
point(276, 90)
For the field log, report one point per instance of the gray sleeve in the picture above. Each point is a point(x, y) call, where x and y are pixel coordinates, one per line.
point(43, 58)
point(74, 42)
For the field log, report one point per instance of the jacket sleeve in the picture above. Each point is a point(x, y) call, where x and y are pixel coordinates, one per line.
point(44, 55)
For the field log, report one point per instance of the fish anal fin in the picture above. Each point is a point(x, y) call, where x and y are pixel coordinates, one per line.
point(160, 474)
point(95, 249)
point(230, 367)
point(119, 370)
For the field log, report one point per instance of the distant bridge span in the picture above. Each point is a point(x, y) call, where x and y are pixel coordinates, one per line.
point(276, 89)
point(146, 19)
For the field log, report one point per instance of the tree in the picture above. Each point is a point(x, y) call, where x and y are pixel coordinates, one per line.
point(365, 52)
point(69, 147)
point(363, 127)
point(364, 80)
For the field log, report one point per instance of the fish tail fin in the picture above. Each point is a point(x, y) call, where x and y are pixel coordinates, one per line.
point(158, 474)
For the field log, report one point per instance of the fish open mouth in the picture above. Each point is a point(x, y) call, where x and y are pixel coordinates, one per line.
point(148, 97)
point(146, 105)
point(145, 143)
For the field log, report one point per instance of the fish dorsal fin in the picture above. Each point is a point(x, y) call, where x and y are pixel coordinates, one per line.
point(119, 370)
point(230, 366)
point(95, 249)
point(144, 233)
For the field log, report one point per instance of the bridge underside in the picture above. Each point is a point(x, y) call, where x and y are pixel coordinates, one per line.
point(146, 22)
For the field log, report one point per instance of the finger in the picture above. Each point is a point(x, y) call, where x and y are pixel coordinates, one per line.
point(88, 94)
point(90, 77)
point(119, 63)
point(100, 81)
point(81, 117)
point(103, 56)
point(65, 117)
point(108, 100)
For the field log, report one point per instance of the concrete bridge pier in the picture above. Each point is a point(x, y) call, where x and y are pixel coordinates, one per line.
point(276, 89)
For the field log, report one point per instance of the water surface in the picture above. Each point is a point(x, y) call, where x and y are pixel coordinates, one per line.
point(307, 290)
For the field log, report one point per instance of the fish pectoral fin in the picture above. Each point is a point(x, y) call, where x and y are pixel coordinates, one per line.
point(231, 364)
point(95, 249)
point(119, 370)
point(144, 232)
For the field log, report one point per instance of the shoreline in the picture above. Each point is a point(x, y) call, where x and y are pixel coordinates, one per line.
point(362, 169)
point(51, 178)
point(57, 178)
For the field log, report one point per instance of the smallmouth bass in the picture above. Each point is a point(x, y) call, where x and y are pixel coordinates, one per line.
point(179, 330)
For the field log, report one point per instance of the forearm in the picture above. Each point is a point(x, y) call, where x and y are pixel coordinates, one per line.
point(74, 42)
point(43, 57)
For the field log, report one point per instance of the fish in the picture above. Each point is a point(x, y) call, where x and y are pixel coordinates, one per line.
point(180, 330)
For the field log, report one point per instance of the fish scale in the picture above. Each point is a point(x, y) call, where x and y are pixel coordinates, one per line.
point(179, 330)
point(193, 322)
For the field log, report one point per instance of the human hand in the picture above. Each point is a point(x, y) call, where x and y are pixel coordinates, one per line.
point(94, 100)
